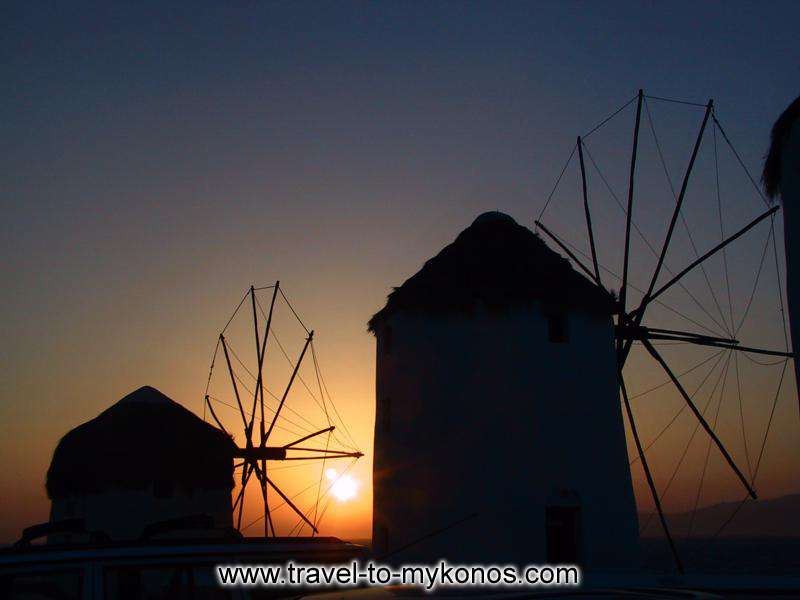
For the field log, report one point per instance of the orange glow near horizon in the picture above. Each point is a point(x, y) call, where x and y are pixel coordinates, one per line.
point(346, 356)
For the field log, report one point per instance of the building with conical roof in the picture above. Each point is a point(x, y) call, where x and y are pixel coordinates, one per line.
point(143, 460)
point(498, 434)
point(781, 178)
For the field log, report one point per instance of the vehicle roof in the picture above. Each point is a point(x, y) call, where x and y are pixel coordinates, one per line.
point(195, 549)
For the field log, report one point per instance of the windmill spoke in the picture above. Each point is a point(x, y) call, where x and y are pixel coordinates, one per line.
point(683, 218)
point(648, 475)
point(719, 356)
point(647, 244)
point(653, 295)
point(323, 450)
point(258, 362)
point(261, 354)
point(670, 230)
point(569, 252)
point(215, 417)
point(704, 342)
point(262, 478)
point(714, 343)
point(327, 456)
point(254, 457)
point(289, 385)
point(630, 332)
point(681, 196)
point(588, 213)
point(623, 293)
point(700, 417)
point(291, 504)
point(310, 435)
point(246, 472)
point(233, 380)
point(268, 521)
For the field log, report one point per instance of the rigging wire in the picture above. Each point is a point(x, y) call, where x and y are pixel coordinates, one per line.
point(722, 329)
point(296, 316)
point(739, 158)
point(335, 410)
point(558, 181)
point(755, 287)
point(321, 474)
point(763, 363)
point(679, 375)
point(769, 421)
point(721, 225)
point(674, 101)
point(683, 406)
point(210, 372)
point(327, 438)
point(274, 334)
point(780, 285)
point(300, 522)
point(258, 419)
point(611, 116)
point(685, 450)
point(741, 414)
point(683, 218)
point(274, 508)
point(313, 427)
point(575, 147)
point(641, 291)
point(224, 329)
point(308, 389)
point(739, 506)
point(708, 447)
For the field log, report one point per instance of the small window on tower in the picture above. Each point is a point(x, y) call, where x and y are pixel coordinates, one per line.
point(386, 340)
point(557, 330)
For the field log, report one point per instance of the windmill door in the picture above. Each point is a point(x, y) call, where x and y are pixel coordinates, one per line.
point(561, 526)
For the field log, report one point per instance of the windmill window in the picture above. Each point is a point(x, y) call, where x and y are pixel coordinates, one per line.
point(557, 329)
point(562, 530)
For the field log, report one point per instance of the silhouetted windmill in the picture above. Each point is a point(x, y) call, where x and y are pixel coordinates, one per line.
point(260, 449)
point(630, 319)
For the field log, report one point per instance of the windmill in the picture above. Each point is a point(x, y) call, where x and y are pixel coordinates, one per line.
point(262, 417)
point(631, 323)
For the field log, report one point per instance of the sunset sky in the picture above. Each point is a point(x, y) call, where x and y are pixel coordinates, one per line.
point(158, 160)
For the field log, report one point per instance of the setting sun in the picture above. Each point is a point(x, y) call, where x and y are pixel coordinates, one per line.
point(344, 487)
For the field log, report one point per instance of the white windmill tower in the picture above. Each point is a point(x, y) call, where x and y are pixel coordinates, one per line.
point(782, 176)
point(498, 416)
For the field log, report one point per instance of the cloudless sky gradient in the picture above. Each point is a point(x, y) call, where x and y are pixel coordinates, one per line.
point(158, 159)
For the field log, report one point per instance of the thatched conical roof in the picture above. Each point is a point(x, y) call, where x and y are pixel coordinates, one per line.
point(144, 439)
point(780, 132)
point(499, 265)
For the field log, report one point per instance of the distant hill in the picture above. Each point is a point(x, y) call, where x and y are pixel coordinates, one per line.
point(778, 517)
